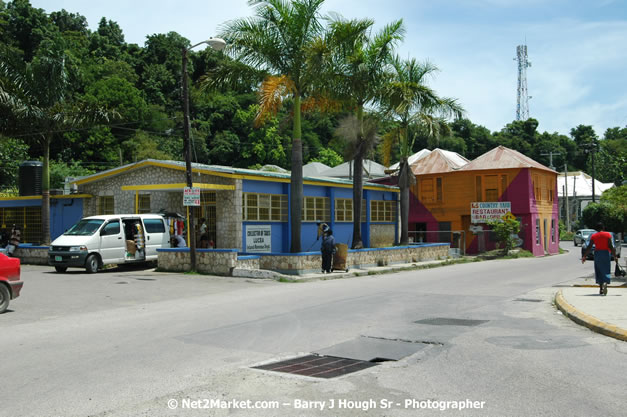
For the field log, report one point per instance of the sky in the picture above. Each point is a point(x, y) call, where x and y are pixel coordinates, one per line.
point(577, 48)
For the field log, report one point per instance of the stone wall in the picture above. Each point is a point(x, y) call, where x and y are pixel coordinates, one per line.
point(308, 262)
point(208, 261)
point(32, 255)
point(382, 235)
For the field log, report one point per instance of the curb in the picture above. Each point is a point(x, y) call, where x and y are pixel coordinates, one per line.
point(588, 321)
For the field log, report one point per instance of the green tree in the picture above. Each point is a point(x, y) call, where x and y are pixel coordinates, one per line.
point(614, 217)
point(413, 105)
point(12, 153)
point(354, 71)
point(35, 99)
point(278, 38)
point(505, 230)
point(328, 157)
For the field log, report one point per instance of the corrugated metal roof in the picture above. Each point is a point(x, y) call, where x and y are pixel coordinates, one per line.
point(415, 157)
point(371, 169)
point(217, 169)
point(313, 169)
point(580, 185)
point(503, 158)
point(438, 161)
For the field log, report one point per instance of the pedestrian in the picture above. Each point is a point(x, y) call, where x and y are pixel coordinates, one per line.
point(204, 236)
point(14, 240)
point(327, 248)
point(177, 241)
point(603, 251)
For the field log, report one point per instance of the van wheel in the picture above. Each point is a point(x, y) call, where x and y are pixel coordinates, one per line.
point(4, 298)
point(60, 268)
point(91, 264)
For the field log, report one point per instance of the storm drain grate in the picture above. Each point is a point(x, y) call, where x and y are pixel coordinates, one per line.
point(528, 300)
point(443, 321)
point(318, 366)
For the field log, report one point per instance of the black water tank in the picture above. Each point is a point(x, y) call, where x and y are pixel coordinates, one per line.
point(30, 175)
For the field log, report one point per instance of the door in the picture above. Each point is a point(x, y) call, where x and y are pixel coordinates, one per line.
point(546, 235)
point(156, 236)
point(111, 242)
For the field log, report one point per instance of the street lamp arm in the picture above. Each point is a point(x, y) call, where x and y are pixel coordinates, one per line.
point(215, 43)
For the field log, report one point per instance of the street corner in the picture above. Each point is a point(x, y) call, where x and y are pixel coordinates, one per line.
point(582, 313)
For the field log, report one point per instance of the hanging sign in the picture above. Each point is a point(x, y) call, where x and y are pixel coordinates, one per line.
point(191, 196)
point(487, 211)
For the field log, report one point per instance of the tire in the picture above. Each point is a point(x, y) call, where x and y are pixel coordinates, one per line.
point(5, 297)
point(60, 268)
point(91, 264)
point(575, 242)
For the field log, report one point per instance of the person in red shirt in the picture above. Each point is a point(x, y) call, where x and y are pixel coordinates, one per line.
point(603, 250)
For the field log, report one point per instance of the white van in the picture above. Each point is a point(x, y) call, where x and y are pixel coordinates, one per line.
point(111, 239)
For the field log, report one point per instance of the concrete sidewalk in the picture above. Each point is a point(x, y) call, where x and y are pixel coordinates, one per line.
point(603, 314)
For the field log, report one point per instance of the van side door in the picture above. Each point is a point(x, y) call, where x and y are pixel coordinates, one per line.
point(111, 242)
point(156, 236)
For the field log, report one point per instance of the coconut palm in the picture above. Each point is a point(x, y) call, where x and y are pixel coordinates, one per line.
point(35, 99)
point(277, 39)
point(415, 107)
point(353, 61)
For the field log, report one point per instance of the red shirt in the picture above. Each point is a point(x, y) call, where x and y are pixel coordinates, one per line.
point(601, 240)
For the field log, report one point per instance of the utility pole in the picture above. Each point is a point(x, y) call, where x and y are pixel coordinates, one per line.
point(591, 148)
point(550, 155)
point(566, 196)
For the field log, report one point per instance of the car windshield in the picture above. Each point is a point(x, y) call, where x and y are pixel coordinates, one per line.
point(85, 227)
point(587, 232)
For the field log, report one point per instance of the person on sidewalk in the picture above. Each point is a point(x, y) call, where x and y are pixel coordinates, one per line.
point(327, 248)
point(603, 252)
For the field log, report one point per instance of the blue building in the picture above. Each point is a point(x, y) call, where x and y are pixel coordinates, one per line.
point(244, 209)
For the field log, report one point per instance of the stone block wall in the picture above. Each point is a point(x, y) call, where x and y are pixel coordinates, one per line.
point(248, 262)
point(208, 261)
point(32, 255)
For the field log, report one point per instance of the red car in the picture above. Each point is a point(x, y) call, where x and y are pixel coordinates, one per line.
point(10, 284)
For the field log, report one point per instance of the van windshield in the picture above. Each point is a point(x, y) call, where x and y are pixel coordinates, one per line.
point(85, 227)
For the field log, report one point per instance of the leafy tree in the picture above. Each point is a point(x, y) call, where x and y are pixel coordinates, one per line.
point(26, 27)
point(278, 39)
point(35, 99)
point(69, 22)
point(584, 137)
point(60, 170)
point(478, 139)
point(12, 153)
point(614, 217)
point(354, 71)
point(413, 105)
point(328, 157)
point(143, 146)
point(108, 40)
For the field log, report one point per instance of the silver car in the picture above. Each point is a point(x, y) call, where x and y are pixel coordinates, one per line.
point(582, 235)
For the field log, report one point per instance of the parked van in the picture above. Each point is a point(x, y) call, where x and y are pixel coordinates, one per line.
point(110, 239)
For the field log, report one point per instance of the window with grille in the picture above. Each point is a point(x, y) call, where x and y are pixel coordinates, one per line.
point(28, 219)
point(316, 209)
point(382, 211)
point(491, 188)
point(105, 205)
point(344, 210)
point(143, 203)
point(426, 190)
point(264, 207)
point(438, 186)
point(504, 186)
point(478, 190)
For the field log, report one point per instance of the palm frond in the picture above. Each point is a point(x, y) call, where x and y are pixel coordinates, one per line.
point(271, 94)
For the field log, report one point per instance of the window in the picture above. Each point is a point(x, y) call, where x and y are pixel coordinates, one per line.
point(264, 207)
point(438, 186)
point(537, 188)
point(111, 228)
point(343, 210)
point(154, 226)
point(504, 187)
point(382, 211)
point(105, 205)
point(552, 230)
point(143, 203)
point(491, 188)
point(478, 193)
point(426, 190)
point(537, 231)
point(316, 209)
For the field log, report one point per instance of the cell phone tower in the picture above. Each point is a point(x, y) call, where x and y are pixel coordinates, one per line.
point(522, 103)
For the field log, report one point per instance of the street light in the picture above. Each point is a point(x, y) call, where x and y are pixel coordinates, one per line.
point(216, 44)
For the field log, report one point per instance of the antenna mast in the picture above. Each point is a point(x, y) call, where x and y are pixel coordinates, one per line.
point(522, 103)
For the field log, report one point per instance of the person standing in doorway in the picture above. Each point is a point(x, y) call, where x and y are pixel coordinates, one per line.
point(603, 252)
point(327, 248)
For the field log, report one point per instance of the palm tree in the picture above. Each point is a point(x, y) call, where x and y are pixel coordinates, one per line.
point(354, 62)
point(414, 106)
point(35, 99)
point(277, 39)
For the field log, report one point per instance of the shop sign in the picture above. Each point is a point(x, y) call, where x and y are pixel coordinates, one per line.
point(487, 211)
point(258, 238)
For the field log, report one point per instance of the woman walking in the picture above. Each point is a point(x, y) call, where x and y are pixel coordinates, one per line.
point(603, 250)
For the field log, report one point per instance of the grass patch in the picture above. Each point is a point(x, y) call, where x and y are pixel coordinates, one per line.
point(289, 280)
point(521, 254)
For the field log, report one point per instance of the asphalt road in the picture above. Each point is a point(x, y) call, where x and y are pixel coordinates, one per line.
point(143, 343)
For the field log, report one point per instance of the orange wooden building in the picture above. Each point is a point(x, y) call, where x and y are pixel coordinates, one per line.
point(452, 197)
